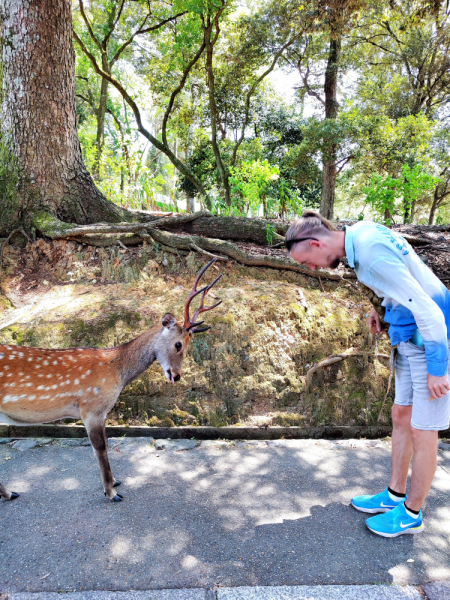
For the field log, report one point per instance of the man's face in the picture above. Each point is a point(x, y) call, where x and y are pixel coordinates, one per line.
point(315, 254)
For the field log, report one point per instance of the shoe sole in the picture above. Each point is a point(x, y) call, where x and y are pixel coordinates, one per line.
point(372, 511)
point(411, 530)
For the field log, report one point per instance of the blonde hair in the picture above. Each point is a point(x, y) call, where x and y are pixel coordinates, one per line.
point(310, 224)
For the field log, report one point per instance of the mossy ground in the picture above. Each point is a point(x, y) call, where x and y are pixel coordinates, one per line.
point(250, 367)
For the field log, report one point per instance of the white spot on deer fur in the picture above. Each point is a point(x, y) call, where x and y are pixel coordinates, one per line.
point(104, 380)
point(21, 354)
point(10, 398)
point(77, 381)
point(89, 389)
point(30, 359)
point(96, 390)
point(6, 368)
point(40, 387)
point(49, 376)
point(45, 362)
point(2, 355)
point(11, 357)
point(55, 362)
point(32, 398)
point(41, 375)
point(28, 384)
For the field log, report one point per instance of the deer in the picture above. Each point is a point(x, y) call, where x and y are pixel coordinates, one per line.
point(42, 385)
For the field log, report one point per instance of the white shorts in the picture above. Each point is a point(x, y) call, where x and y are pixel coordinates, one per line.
point(411, 389)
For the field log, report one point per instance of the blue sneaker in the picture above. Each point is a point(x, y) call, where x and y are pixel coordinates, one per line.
point(380, 503)
point(395, 522)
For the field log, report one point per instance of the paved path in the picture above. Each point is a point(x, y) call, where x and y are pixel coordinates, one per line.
point(216, 516)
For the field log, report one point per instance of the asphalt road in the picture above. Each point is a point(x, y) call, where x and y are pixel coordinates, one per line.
point(254, 515)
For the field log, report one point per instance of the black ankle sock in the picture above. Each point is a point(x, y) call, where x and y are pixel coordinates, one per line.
point(414, 512)
point(396, 494)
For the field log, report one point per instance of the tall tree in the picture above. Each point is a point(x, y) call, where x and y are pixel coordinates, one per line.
point(38, 119)
point(323, 45)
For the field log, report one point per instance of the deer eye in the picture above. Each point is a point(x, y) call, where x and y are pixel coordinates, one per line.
point(178, 346)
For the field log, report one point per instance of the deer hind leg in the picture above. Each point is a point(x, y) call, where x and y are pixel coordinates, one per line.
point(6, 494)
point(97, 435)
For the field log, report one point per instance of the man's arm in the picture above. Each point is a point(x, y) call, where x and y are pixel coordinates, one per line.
point(391, 275)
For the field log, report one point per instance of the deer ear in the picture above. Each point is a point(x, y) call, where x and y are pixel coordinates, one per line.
point(168, 320)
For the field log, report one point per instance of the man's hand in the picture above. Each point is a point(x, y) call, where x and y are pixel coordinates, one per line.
point(374, 322)
point(438, 386)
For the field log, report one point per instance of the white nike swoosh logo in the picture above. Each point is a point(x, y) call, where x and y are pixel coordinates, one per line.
point(407, 524)
point(387, 505)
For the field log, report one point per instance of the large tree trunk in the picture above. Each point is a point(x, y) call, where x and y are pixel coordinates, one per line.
point(38, 117)
point(331, 111)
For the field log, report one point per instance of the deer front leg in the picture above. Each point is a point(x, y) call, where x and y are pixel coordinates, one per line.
point(116, 483)
point(97, 435)
point(6, 494)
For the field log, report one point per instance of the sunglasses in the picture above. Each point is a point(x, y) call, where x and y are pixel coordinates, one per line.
point(290, 243)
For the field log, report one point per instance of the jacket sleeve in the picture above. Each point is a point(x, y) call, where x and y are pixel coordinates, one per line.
point(389, 273)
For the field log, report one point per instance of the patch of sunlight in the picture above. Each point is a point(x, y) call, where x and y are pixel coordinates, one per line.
point(18, 485)
point(190, 562)
point(266, 490)
point(400, 574)
point(120, 546)
point(233, 517)
point(279, 518)
point(190, 475)
point(177, 548)
point(69, 484)
point(38, 471)
point(438, 573)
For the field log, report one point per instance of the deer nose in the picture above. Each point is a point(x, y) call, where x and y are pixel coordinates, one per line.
point(177, 378)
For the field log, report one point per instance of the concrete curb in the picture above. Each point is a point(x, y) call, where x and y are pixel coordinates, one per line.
point(301, 592)
point(201, 433)
point(207, 433)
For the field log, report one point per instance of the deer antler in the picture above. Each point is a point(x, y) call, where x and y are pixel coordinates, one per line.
point(192, 325)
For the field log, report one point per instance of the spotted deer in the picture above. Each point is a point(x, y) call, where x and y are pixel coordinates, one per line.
point(39, 386)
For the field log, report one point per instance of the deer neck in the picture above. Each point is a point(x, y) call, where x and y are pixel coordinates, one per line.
point(137, 356)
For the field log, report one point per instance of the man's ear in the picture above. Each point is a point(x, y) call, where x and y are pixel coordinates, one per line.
point(169, 320)
point(316, 243)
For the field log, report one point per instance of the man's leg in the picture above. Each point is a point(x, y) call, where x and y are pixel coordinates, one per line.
point(425, 445)
point(402, 447)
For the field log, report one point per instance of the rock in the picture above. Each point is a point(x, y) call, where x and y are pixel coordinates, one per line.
point(27, 444)
point(5, 440)
point(175, 445)
point(215, 444)
point(437, 591)
point(124, 441)
point(71, 441)
point(290, 443)
point(442, 446)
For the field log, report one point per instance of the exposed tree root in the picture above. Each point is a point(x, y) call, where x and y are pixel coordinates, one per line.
point(7, 242)
point(224, 247)
point(337, 358)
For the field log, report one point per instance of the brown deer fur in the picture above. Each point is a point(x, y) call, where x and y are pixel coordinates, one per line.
point(38, 386)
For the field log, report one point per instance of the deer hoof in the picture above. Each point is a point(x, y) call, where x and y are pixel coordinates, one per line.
point(14, 495)
point(116, 483)
point(117, 498)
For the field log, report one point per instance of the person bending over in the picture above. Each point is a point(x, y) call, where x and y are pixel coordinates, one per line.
point(418, 312)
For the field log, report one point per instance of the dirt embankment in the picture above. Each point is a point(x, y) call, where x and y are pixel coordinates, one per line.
point(249, 368)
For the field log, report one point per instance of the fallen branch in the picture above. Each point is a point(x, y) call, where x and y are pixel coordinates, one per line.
point(334, 359)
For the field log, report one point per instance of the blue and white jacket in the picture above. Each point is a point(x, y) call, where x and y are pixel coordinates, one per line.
point(413, 296)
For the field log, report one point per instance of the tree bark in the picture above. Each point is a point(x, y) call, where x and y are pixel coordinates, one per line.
point(331, 111)
point(38, 116)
